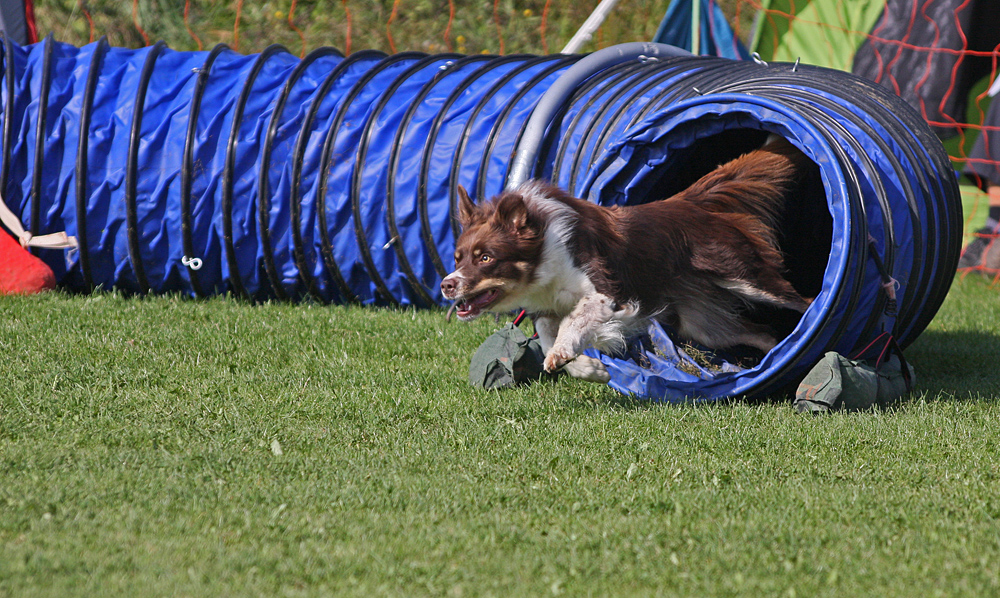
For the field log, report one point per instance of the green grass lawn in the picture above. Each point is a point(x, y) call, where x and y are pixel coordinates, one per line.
point(171, 447)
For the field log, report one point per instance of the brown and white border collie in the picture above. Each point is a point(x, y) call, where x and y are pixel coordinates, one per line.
point(591, 275)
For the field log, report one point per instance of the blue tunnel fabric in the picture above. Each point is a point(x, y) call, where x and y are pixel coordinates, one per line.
point(647, 146)
point(335, 178)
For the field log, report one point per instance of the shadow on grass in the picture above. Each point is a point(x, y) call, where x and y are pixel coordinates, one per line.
point(949, 366)
point(957, 364)
point(631, 403)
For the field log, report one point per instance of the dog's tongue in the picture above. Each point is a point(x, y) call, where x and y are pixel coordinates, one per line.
point(473, 305)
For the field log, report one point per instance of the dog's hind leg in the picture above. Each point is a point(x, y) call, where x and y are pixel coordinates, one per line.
point(747, 266)
point(771, 290)
point(719, 326)
point(588, 369)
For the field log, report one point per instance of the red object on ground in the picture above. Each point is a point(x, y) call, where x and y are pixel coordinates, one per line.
point(20, 272)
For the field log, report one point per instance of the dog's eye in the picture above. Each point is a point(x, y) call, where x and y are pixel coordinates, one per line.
point(485, 258)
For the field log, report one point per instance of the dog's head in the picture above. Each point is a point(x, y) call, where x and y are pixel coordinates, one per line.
point(495, 256)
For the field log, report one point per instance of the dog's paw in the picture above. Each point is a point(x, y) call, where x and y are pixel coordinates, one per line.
point(588, 369)
point(556, 358)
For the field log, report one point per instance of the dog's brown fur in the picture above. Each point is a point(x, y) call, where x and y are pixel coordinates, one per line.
point(590, 273)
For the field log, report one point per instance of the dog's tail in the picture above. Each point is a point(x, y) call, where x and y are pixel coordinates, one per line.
point(754, 184)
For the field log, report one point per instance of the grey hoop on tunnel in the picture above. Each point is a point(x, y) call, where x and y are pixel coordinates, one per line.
point(553, 99)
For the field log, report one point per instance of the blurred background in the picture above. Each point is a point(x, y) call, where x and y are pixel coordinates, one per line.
point(939, 55)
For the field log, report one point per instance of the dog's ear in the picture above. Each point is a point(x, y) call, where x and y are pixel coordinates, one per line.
point(466, 209)
point(513, 213)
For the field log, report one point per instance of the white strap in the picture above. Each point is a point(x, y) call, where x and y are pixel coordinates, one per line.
point(51, 241)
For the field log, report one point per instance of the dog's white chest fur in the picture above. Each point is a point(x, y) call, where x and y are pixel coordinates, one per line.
point(559, 284)
point(570, 314)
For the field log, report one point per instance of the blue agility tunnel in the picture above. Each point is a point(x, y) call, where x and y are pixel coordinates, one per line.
point(332, 177)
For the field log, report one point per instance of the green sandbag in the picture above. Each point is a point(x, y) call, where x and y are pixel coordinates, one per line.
point(837, 382)
point(506, 358)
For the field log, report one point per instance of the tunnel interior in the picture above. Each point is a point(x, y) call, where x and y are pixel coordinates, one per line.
point(804, 235)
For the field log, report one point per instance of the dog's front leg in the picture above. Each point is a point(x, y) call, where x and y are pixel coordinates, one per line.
point(583, 367)
point(546, 327)
point(585, 326)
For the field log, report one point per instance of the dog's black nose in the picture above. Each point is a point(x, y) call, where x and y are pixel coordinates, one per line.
point(447, 287)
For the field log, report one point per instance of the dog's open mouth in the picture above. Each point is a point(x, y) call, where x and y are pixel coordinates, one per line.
point(471, 307)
